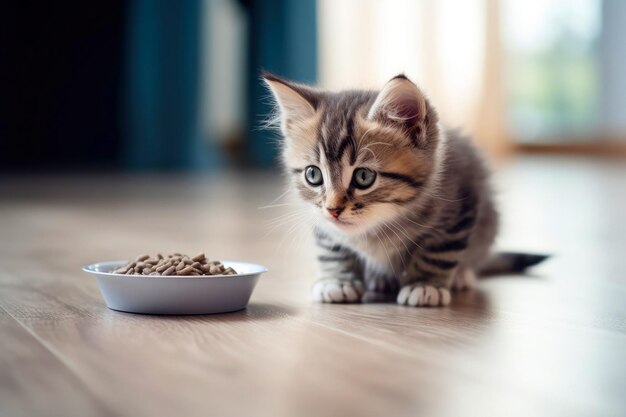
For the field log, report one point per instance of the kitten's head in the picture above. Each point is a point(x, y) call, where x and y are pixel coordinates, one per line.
point(360, 157)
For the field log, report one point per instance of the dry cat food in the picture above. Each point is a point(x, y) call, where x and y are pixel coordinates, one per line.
point(175, 264)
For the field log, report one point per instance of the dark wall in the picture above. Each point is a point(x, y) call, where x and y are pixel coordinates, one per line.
point(60, 72)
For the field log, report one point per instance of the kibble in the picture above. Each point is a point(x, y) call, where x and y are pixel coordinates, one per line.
point(175, 264)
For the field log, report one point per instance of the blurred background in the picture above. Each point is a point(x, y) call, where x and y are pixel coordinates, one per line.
point(164, 85)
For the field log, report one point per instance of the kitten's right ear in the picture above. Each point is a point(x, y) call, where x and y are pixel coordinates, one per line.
point(401, 102)
point(296, 101)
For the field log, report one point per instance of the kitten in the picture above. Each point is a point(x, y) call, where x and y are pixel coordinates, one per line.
point(404, 208)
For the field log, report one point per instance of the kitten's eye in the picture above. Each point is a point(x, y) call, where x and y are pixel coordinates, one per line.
point(363, 178)
point(313, 175)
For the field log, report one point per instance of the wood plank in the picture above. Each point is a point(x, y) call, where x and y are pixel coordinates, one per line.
point(34, 382)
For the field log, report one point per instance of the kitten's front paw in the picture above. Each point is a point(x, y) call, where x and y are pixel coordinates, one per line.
point(337, 291)
point(417, 295)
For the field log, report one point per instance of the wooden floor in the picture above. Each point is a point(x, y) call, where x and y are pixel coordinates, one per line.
point(549, 344)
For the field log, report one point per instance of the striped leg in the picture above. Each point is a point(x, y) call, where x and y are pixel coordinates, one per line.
point(431, 275)
point(339, 273)
point(434, 268)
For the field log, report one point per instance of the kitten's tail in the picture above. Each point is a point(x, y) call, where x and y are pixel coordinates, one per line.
point(510, 262)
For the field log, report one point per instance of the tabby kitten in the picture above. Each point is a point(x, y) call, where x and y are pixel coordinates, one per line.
point(404, 208)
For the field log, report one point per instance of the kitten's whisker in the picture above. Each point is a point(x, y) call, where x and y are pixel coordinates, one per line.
point(294, 235)
point(378, 143)
point(437, 197)
point(287, 221)
point(364, 135)
point(387, 253)
point(425, 226)
point(303, 215)
point(366, 147)
point(405, 118)
point(397, 251)
point(298, 233)
point(281, 205)
point(383, 222)
point(275, 228)
point(404, 232)
point(283, 223)
point(389, 226)
point(288, 232)
point(402, 260)
point(372, 152)
point(303, 224)
point(283, 194)
point(286, 215)
point(306, 236)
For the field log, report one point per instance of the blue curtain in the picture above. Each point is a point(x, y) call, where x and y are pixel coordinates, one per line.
point(162, 86)
point(283, 40)
point(163, 80)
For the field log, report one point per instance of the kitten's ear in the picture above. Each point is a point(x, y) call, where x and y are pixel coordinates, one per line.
point(296, 101)
point(401, 102)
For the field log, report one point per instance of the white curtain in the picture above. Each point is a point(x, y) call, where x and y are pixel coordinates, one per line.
point(450, 48)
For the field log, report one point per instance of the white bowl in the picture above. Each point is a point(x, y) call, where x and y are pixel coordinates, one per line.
point(205, 294)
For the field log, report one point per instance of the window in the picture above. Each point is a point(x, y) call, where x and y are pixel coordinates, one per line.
point(551, 72)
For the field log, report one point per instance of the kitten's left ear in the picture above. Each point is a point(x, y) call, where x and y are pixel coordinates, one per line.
point(296, 101)
point(401, 102)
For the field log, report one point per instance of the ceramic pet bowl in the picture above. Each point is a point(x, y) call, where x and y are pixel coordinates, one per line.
point(205, 294)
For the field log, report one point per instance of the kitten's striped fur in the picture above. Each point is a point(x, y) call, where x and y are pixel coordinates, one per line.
point(427, 222)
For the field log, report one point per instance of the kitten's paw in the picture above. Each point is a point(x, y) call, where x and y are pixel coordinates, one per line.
point(337, 291)
point(417, 295)
point(464, 279)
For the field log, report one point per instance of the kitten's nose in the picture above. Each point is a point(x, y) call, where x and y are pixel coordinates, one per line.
point(335, 212)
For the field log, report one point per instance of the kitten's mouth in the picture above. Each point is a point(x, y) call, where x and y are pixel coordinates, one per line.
point(340, 222)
